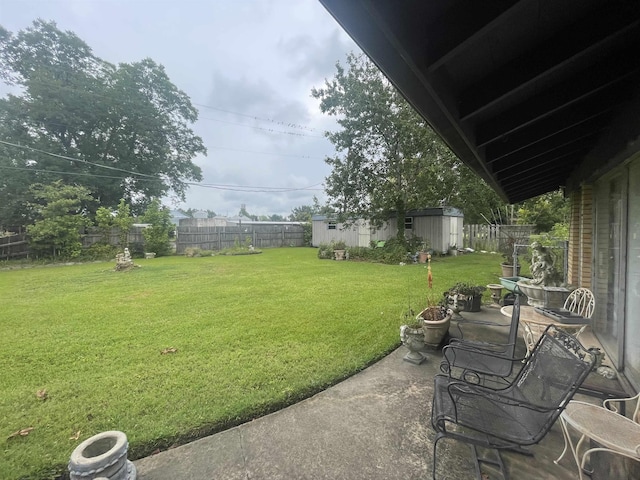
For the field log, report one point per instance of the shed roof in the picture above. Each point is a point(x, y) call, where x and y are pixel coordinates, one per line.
point(423, 212)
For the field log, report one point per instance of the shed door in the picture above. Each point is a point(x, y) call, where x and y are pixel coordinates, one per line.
point(364, 234)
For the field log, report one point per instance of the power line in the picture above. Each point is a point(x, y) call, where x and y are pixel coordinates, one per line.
point(261, 128)
point(210, 107)
point(64, 157)
point(286, 124)
point(80, 174)
point(264, 153)
point(213, 186)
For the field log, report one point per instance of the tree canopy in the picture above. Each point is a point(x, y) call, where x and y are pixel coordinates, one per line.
point(388, 159)
point(122, 132)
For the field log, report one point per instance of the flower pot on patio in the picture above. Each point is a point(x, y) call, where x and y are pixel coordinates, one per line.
point(435, 326)
point(507, 270)
point(412, 337)
point(472, 303)
point(541, 296)
point(496, 292)
point(102, 456)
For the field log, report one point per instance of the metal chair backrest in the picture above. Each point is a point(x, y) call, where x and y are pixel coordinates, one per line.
point(581, 301)
point(515, 322)
point(555, 370)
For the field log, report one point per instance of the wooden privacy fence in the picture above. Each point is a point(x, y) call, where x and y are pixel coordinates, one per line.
point(205, 238)
point(219, 238)
point(14, 246)
point(134, 236)
point(494, 238)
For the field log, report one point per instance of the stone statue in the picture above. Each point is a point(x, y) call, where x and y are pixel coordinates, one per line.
point(124, 261)
point(542, 269)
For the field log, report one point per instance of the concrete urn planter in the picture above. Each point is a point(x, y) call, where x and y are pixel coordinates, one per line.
point(102, 456)
point(542, 296)
point(413, 339)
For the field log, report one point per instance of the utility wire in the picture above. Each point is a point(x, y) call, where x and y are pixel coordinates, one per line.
point(64, 157)
point(210, 107)
point(213, 186)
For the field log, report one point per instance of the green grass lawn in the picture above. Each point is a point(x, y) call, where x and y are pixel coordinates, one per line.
point(253, 334)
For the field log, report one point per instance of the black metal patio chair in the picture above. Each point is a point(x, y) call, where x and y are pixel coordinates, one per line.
point(477, 362)
point(520, 414)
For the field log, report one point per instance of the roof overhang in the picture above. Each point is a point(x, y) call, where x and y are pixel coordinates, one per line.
point(527, 93)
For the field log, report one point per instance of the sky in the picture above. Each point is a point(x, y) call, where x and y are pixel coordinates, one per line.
point(248, 67)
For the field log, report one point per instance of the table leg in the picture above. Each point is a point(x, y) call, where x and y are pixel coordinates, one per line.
point(574, 449)
point(565, 434)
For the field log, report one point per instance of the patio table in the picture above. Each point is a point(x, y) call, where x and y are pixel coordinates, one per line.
point(614, 433)
point(534, 324)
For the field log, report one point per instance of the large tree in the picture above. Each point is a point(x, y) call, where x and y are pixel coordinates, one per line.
point(121, 131)
point(388, 159)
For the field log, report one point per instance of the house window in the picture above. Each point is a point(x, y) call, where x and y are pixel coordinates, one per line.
point(408, 223)
point(332, 225)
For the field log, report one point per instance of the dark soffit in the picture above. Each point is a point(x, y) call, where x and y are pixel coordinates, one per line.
point(521, 91)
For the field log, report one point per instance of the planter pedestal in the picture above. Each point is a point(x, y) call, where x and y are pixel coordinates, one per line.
point(102, 456)
point(496, 292)
point(413, 339)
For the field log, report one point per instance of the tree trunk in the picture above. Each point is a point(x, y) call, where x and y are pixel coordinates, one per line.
point(401, 210)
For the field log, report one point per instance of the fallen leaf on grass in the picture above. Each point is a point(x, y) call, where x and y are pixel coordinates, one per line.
point(168, 350)
point(21, 433)
point(42, 394)
point(75, 436)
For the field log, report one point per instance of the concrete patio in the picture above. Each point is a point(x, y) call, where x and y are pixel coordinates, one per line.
point(374, 425)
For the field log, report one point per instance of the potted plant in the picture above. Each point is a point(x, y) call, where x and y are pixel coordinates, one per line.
point(436, 320)
point(467, 296)
point(339, 250)
point(506, 248)
point(423, 253)
point(412, 337)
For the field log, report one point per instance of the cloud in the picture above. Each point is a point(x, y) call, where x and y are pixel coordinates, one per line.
point(314, 58)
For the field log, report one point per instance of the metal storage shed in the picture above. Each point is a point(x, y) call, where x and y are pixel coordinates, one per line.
point(441, 227)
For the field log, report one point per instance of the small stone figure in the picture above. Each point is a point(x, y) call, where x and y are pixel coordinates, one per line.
point(542, 269)
point(124, 261)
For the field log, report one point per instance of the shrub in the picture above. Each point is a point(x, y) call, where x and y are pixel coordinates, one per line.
point(360, 253)
point(100, 251)
point(325, 251)
point(197, 252)
point(156, 237)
